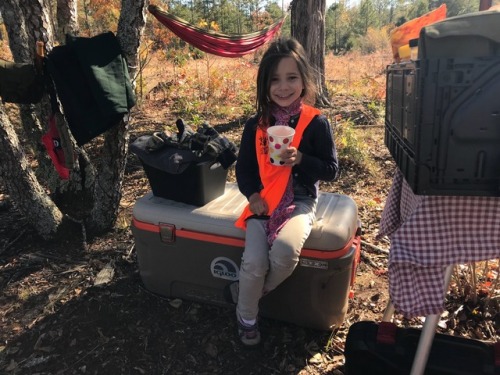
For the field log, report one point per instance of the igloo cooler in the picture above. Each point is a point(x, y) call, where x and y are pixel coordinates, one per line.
point(194, 253)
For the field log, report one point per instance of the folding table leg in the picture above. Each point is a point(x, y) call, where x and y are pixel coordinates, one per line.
point(389, 312)
point(428, 332)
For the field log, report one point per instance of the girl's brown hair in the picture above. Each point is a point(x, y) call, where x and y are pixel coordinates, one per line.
point(277, 50)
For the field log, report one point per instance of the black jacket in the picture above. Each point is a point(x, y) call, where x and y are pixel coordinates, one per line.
point(92, 81)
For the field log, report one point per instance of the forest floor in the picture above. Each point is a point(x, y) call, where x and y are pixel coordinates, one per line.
point(57, 317)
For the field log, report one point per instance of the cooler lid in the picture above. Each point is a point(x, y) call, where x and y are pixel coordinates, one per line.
point(336, 217)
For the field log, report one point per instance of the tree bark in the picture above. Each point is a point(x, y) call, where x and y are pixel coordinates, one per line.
point(67, 18)
point(108, 187)
point(308, 27)
point(130, 29)
point(19, 42)
point(16, 30)
point(21, 183)
point(38, 23)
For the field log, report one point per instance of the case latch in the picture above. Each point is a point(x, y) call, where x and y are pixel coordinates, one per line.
point(167, 232)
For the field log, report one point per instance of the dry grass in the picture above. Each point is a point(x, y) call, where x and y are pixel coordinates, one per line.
point(225, 88)
point(357, 75)
point(213, 87)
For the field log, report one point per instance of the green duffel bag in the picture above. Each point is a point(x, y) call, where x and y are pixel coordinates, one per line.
point(20, 83)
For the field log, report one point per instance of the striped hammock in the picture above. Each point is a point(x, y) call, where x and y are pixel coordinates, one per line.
point(212, 42)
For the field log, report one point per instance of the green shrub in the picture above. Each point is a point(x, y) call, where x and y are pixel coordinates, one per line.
point(375, 40)
point(348, 144)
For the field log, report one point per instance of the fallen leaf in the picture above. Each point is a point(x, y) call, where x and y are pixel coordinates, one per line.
point(12, 366)
point(105, 275)
point(176, 303)
point(316, 358)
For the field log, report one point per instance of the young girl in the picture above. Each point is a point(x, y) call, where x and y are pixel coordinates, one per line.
point(281, 199)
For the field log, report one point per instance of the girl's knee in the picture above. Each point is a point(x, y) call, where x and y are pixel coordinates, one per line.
point(283, 256)
point(255, 266)
point(284, 264)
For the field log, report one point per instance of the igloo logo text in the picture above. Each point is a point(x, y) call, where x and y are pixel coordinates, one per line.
point(224, 268)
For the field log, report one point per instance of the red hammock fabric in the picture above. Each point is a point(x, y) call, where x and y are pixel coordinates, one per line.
point(215, 43)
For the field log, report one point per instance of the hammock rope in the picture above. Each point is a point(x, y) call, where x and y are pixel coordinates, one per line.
point(212, 42)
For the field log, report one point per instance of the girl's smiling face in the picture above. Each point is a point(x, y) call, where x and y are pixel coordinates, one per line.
point(286, 83)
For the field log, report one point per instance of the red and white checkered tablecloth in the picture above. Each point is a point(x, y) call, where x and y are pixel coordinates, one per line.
point(427, 234)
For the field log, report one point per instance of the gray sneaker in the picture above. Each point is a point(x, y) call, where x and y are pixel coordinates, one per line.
point(249, 334)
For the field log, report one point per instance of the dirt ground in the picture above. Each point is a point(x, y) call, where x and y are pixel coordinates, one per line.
point(57, 317)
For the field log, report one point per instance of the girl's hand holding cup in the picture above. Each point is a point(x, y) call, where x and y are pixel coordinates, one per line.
point(291, 156)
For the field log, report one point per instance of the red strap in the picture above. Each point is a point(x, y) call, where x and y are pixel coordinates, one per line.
point(386, 333)
point(52, 142)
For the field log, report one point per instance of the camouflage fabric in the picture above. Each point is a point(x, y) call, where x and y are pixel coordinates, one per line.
point(20, 83)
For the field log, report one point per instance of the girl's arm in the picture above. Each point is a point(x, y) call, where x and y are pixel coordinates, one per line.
point(318, 159)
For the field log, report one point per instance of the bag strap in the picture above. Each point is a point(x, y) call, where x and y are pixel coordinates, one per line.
point(496, 352)
point(386, 333)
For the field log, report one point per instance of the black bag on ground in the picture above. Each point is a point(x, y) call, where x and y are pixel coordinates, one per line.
point(386, 349)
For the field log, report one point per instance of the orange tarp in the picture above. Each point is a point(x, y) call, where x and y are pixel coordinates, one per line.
point(411, 29)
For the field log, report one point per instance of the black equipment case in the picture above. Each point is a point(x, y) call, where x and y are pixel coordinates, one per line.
point(179, 174)
point(442, 123)
point(385, 349)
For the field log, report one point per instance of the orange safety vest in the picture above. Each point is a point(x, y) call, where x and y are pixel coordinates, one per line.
point(275, 178)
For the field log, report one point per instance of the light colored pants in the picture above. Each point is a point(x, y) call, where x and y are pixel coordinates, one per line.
point(263, 268)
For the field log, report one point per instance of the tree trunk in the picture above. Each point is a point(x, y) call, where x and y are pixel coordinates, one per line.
point(21, 183)
point(24, 189)
point(38, 23)
point(95, 187)
point(16, 30)
point(19, 42)
point(28, 22)
point(308, 27)
point(108, 187)
point(130, 29)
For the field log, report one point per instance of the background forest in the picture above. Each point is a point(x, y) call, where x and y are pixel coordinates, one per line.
point(360, 25)
point(350, 25)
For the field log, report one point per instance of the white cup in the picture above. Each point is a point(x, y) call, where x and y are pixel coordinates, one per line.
point(279, 138)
